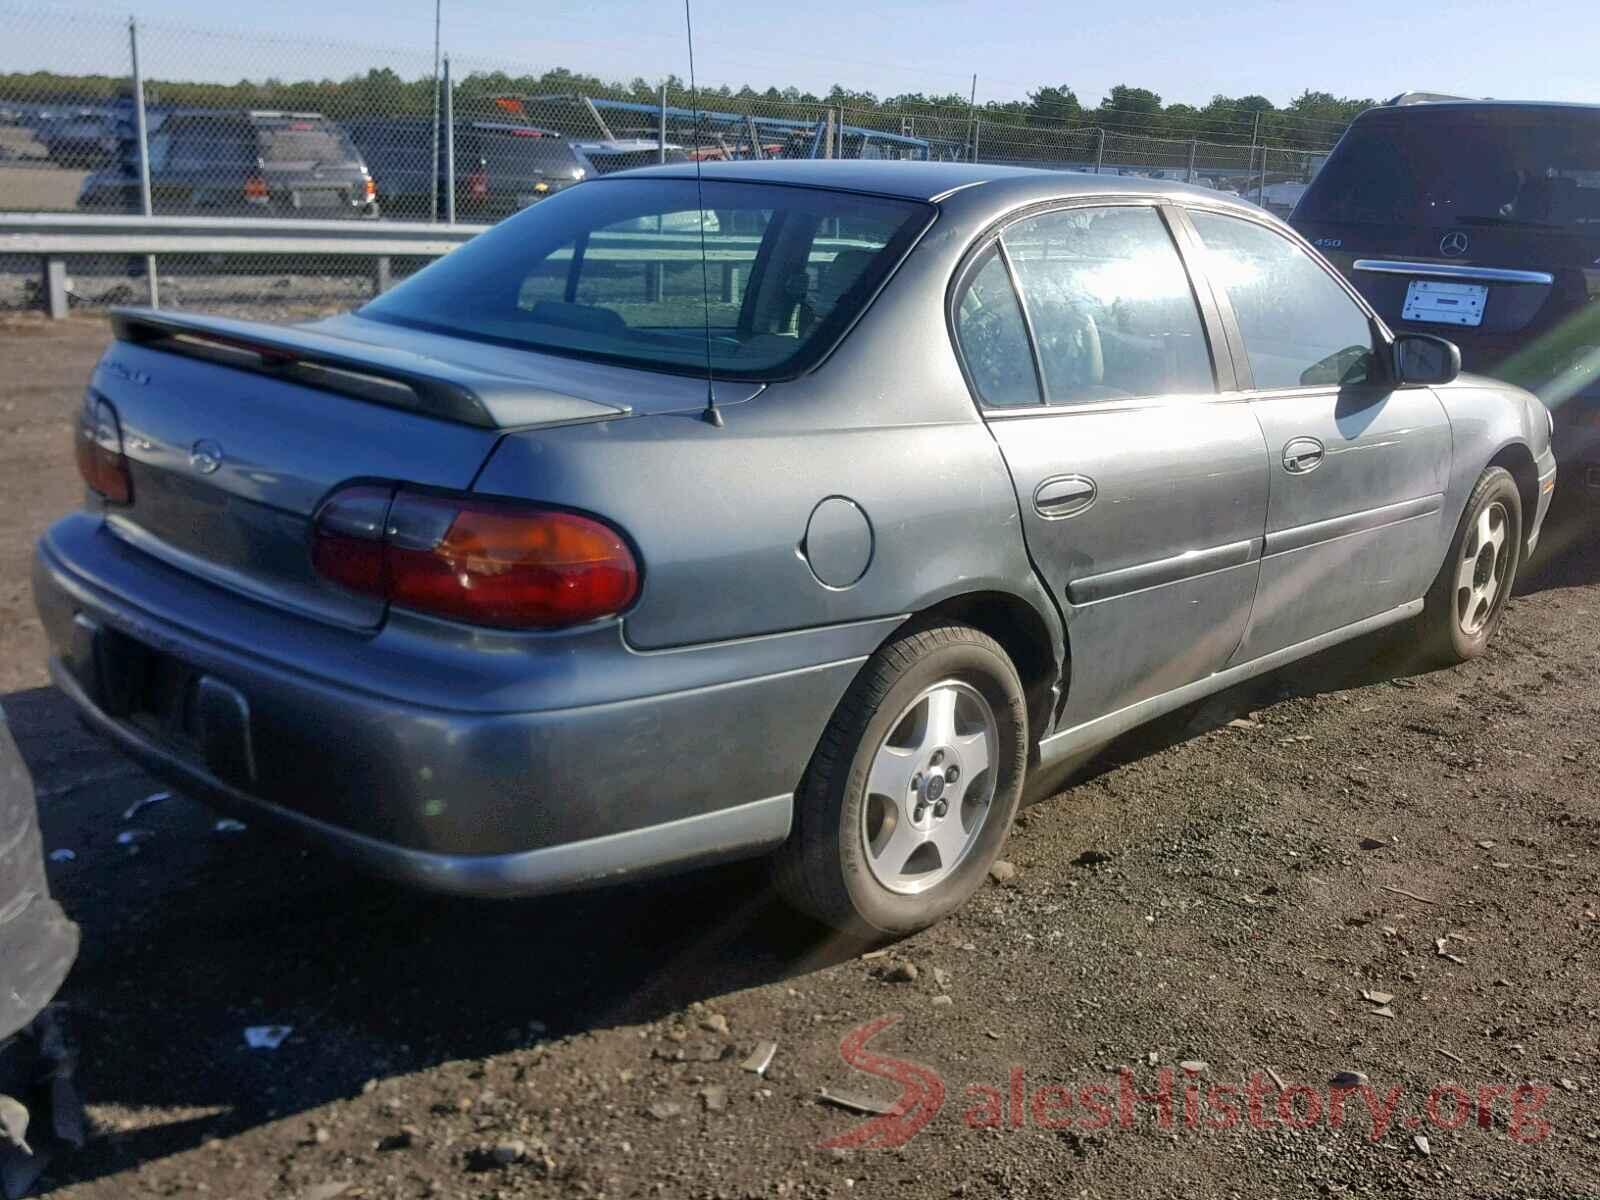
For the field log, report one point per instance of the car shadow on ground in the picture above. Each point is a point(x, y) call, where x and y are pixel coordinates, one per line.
point(1569, 547)
point(197, 936)
point(189, 937)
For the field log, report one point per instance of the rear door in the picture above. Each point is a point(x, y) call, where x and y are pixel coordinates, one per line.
point(1142, 487)
point(1358, 468)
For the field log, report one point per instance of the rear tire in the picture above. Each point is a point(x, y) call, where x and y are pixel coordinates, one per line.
point(879, 845)
point(1468, 597)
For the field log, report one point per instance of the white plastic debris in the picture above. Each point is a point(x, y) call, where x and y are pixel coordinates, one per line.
point(63, 855)
point(137, 806)
point(229, 825)
point(760, 1058)
point(266, 1037)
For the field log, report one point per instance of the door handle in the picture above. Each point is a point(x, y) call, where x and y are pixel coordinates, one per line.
point(1064, 496)
point(1302, 455)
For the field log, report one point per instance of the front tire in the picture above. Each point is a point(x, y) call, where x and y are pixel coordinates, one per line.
point(1468, 598)
point(910, 794)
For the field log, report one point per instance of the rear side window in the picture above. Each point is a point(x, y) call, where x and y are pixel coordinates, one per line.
point(614, 270)
point(1110, 303)
point(1300, 328)
point(994, 339)
point(209, 145)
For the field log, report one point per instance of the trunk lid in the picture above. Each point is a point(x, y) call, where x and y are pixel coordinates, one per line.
point(235, 432)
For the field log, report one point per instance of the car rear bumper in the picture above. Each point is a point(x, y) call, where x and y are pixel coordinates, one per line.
point(480, 800)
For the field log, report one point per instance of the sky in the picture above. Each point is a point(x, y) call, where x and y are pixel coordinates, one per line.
point(1539, 50)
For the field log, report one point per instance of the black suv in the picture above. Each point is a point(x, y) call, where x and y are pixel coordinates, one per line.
point(241, 164)
point(501, 166)
point(1479, 221)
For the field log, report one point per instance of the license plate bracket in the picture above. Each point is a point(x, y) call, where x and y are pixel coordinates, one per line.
point(1442, 303)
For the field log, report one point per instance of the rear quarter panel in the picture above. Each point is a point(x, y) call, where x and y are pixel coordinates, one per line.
point(719, 515)
point(1487, 417)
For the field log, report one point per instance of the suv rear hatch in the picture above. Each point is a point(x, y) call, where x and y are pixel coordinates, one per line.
point(1476, 221)
point(235, 432)
point(308, 163)
point(510, 167)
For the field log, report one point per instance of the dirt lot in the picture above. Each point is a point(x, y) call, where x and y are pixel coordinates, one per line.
point(1210, 893)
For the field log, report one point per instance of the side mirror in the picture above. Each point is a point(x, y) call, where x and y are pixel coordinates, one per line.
point(1424, 358)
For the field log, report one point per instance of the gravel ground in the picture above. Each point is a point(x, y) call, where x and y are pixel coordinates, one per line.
point(1218, 891)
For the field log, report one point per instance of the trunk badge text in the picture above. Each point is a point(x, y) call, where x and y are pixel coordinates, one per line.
point(205, 456)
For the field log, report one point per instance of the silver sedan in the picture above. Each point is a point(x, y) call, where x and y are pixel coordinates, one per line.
point(802, 509)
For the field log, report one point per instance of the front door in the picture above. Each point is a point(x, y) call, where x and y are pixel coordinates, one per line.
point(1142, 490)
point(1358, 467)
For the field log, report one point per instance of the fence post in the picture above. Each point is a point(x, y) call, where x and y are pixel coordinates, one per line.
point(977, 128)
point(661, 127)
point(972, 117)
point(55, 289)
point(1193, 146)
point(449, 146)
point(827, 136)
point(1100, 151)
point(1261, 184)
point(142, 127)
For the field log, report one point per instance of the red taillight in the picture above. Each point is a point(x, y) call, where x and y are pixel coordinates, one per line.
point(482, 562)
point(99, 452)
point(371, 190)
point(255, 190)
point(478, 184)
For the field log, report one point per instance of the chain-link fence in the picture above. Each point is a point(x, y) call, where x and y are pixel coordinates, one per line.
point(105, 117)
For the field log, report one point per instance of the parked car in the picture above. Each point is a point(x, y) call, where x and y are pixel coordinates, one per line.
point(548, 567)
point(500, 166)
point(1480, 220)
point(241, 164)
point(85, 138)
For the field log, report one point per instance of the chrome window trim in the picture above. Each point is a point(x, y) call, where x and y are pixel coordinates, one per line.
point(1384, 266)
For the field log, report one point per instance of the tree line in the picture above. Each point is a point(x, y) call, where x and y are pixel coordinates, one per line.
point(1311, 121)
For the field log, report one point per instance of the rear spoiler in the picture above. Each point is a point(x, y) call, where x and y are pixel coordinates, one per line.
point(378, 374)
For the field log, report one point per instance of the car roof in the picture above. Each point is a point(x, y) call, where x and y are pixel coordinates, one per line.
point(1412, 102)
point(932, 181)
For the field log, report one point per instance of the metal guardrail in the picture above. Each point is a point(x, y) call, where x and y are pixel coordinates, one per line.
point(53, 236)
point(79, 233)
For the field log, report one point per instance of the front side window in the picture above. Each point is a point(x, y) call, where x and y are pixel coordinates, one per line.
point(994, 339)
point(614, 270)
point(1111, 306)
point(1300, 328)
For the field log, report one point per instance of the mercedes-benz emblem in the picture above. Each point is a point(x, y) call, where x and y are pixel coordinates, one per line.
point(205, 456)
point(1454, 245)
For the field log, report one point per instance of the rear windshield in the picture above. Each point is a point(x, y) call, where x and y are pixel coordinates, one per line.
point(303, 141)
point(531, 154)
point(607, 161)
point(1459, 166)
point(613, 270)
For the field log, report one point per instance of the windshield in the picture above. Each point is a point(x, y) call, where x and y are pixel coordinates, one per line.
point(1448, 166)
point(613, 270)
